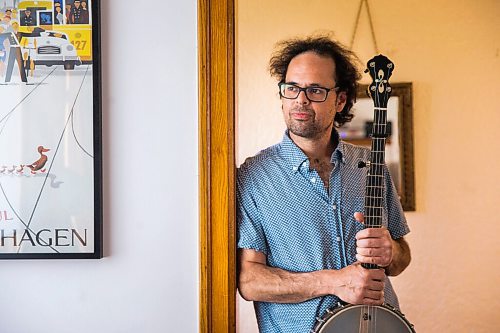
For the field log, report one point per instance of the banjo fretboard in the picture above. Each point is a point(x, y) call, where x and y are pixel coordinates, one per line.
point(380, 68)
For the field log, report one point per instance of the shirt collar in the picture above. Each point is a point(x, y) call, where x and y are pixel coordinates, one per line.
point(292, 153)
point(338, 153)
point(296, 157)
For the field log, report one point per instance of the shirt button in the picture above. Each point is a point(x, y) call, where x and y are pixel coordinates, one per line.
point(295, 168)
point(338, 239)
point(313, 180)
point(334, 207)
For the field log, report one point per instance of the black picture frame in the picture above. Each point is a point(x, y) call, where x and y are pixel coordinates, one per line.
point(51, 87)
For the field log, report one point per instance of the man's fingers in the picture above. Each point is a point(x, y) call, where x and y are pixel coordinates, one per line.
point(374, 295)
point(373, 233)
point(359, 217)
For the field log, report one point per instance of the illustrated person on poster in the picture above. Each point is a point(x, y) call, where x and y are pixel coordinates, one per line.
point(85, 13)
point(8, 12)
point(58, 15)
point(27, 19)
point(6, 23)
point(68, 7)
point(76, 16)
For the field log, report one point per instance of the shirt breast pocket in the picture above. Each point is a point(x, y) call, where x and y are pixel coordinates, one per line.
point(351, 226)
point(353, 205)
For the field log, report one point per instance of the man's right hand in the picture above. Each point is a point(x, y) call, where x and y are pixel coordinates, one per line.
point(360, 285)
point(353, 284)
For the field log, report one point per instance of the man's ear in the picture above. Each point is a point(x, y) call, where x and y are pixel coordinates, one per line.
point(340, 101)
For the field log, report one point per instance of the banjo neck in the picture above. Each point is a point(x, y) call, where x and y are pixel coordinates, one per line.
point(380, 69)
point(371, 318)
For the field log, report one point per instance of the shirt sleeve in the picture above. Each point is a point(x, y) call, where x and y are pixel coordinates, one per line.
point(396, 220)
point(250, 231)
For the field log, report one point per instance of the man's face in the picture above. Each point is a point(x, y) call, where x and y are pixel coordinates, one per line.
point(309, 119)
point(77, 4)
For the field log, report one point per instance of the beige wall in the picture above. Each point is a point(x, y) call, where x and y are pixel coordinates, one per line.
point(450, 50)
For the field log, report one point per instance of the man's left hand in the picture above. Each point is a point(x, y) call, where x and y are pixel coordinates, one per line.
point(374, 245)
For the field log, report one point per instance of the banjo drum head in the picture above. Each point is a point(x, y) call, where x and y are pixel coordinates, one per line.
point(364, 319)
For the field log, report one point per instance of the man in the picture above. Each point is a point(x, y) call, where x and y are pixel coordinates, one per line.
point(300, 237)
point(76, 13)
point(27, 19)
point(6, 23)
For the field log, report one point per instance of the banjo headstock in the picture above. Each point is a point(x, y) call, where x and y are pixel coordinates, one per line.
point(380, 69)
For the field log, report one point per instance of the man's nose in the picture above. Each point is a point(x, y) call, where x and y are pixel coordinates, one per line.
point(302, 98)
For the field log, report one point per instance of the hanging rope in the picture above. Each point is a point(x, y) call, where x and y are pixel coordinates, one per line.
point(357, 23)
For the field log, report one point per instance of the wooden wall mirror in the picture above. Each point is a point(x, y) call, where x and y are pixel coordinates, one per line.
point(399, 146)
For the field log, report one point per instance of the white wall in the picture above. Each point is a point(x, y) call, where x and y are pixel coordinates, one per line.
point(148, 280)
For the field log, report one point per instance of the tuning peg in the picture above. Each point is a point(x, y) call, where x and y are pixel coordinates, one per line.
point(362, 164)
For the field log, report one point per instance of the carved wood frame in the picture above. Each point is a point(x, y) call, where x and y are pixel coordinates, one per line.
point(404, 90)
point(216, 166)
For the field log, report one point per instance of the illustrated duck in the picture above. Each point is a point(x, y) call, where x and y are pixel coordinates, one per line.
point(3, 168)
point(10, 170)
point(20, 169)
point(40, 163)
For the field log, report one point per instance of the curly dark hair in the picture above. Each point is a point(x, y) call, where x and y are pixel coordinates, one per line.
point(347, 75)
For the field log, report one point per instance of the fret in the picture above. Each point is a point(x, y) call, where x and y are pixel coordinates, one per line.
point(372, 209)
point(373, 199)
point(374, 191)
point(372, 205)
point(375, 179)
point(374, 195)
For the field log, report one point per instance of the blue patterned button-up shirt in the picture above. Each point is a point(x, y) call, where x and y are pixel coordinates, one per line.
point(285, 212)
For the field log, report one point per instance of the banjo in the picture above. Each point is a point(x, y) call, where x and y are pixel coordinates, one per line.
point(371, 318)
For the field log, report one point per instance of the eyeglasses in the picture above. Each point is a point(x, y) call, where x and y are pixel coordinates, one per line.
point(313, 94)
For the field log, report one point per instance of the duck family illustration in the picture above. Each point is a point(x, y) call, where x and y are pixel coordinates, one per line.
point(36, 167)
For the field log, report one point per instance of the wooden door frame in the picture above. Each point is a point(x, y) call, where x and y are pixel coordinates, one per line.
point(216, 166)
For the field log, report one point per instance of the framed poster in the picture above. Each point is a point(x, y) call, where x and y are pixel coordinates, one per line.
point(50, 130)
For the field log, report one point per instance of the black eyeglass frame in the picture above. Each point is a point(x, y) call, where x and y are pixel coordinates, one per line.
point(336, 88)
